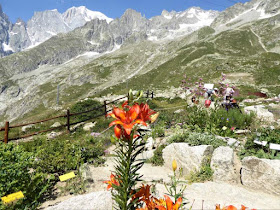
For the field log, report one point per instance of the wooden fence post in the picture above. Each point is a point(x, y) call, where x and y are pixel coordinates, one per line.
point(105, 109)
point(147, 93)
point(68, 120)
point(6, 137)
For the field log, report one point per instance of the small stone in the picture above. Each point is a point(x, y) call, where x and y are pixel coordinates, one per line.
point(148, 154)
point(25, 128)
point(56, 124)
point(242, 131)
point(179, 111)
point(52, 135)
point(86, 173)
point(89, 126)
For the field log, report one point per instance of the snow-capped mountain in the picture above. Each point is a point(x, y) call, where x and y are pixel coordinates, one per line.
point(42, 26)
point(173, 24)
point(78, 16)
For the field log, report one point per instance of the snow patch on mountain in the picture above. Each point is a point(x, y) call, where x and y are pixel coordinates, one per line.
point(7, 48)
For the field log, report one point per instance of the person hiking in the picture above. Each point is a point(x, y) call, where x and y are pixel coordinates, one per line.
point(209, 93)
point(228, 94)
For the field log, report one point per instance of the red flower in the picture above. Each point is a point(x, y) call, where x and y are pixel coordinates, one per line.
point(125, 120)
point(112, 181)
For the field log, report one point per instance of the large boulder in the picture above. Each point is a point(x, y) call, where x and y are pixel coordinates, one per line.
point(188, 158)
point(101, 200)
point(224, 165)
point(261, 174)
point(261, 112)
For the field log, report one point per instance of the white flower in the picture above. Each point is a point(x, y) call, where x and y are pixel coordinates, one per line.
point(224, 128)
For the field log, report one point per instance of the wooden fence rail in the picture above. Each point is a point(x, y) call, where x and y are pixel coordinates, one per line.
point(68, 116)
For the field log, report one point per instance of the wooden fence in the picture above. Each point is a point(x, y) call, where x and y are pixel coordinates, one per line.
point(67, 125)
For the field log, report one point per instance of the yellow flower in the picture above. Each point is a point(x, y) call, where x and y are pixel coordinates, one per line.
point(174, 165)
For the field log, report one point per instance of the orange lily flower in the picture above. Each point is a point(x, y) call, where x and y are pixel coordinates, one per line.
point(144, 195)
point(112, 181)
point(125, 120)
point(145, 112)
point(230, 207)
point(169, 204)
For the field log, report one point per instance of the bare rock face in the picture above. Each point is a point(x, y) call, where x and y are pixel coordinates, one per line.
point(19, 38)
point(188, 158)
point(224, 166)
point(261, 174)
point(5, 25)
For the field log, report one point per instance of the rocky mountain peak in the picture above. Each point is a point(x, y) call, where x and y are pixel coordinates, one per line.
point(240, 13)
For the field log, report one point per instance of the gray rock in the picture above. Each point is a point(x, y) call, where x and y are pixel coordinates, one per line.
point(25, 128)
point(149, 143)
point(188, 158)
point(261, 174)
point(242, 131)
point(86, 173)
point(261, 112)
point(222, 163)
point(148, 154)
point(101, 200)
point(89, 126)
point(55, 125)
point(52, 135)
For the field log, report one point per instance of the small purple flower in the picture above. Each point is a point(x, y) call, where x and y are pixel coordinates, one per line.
point(227, 119)
point(95, 134)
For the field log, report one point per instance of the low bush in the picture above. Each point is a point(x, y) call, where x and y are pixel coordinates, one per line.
point(85, 106)
point(215, 120)
point(157, 159)
point(195, 139)
point(60, 155)
point(253, 149)
point(18, 174)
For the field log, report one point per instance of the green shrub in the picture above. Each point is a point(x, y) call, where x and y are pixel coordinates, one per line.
point(214, 120)
point(195, 139)
point(18, 174)
point(60, 155)
point(157, 159)
point(253, 149)
point(84, 106)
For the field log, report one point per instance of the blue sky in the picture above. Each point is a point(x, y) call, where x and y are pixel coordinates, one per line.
point(112, 8)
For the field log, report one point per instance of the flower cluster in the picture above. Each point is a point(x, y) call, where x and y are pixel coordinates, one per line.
point(196, 88)
point(128, 116)
point(144, 195)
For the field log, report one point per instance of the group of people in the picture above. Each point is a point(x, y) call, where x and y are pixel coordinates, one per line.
point(210, 93)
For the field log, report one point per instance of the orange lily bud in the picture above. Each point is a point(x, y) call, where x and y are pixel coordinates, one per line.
point(174, 165)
